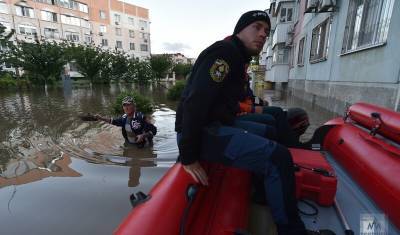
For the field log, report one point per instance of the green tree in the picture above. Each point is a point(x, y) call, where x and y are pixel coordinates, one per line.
point(143, 104)
point(42, 62)
point(161, 65)
point(141, 71)
point(182, 70)
point(175, 92)
point(92, 62)
point(119, 66)
point(4, 43)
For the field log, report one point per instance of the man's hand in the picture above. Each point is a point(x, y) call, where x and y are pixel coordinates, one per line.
point(197, 172)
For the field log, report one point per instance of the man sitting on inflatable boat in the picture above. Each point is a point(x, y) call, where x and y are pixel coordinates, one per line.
point(206, 129)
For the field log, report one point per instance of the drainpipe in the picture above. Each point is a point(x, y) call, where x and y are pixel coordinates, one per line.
point(396, 106)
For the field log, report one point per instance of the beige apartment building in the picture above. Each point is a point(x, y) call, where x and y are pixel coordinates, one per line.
point(111, 24)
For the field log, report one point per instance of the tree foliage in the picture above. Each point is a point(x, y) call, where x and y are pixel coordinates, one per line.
point(41, 61)
point(182, 69)
point(91, 61)
point(161, 65)
point(175, 92)
point(143, 104)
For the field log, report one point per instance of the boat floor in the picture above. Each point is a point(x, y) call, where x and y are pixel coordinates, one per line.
point(352, 200)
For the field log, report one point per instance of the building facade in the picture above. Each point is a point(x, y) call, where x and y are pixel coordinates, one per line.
point(111, 24)
point(334, 53)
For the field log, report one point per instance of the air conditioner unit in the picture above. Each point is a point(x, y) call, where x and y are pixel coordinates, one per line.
point(116, 23)
point(142, 28)
point(312, 6)
point(326, 5)
point(144, 40)
point(101, 34)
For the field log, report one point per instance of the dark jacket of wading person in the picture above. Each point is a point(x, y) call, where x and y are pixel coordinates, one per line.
point(206, 115)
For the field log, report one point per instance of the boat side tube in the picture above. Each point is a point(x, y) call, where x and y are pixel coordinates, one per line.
point(378, 119)
point(220, 208)
point(373, 163)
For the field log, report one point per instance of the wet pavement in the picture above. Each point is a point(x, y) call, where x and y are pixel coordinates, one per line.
point(60, 175)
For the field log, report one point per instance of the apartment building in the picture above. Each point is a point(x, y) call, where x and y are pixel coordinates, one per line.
point(334, 53)
point(112, 24)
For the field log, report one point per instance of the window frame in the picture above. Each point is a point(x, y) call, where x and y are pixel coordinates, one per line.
point(366, 27)
point(320, 35)
point(300, 52)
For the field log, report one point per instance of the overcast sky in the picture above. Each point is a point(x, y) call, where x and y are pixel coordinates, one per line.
point(190, 26)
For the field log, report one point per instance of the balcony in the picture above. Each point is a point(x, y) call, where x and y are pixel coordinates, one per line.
point(281, 34)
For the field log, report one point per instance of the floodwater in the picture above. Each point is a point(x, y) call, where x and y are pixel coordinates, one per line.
point(60, 175)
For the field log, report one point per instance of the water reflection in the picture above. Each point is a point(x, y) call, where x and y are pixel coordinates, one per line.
point(32, 124)
point(36, 168)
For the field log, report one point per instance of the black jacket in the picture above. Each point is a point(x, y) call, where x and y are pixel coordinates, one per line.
point(212, 94)
point(137, 123)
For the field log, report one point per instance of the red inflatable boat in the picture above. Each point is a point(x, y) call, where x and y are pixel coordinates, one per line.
point(222, 207)
point(365, 143)
point(363, 146)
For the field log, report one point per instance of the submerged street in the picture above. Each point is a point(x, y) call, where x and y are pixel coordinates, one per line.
point(60, 175)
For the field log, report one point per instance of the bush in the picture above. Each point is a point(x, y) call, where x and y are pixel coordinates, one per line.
point(142, 103)
point(7, 81)
point(175, 92)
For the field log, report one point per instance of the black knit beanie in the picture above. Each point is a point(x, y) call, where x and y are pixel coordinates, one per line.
point(250, 17)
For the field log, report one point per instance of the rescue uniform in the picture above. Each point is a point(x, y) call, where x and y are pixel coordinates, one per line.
point(205, 125)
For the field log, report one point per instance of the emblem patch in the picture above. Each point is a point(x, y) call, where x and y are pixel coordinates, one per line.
point(219, 70)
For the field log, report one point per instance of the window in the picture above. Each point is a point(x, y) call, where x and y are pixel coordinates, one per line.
point(85, 23)
point(51, 33)
point(286, 15)
point(131, 33)
point(300, 54)
point(24, 11)
point(27, 30)
point(131, 21)
point(3, 8)
point(118, 31)
point(117, 18)
point(103, 15)
point(142, 24)
point(52, 2)
point(83, 8)
point(367, 24)
point(70, 20)
point(118, 44)
point(73, 5)
point(72, 36)
point(144, 47)
point(87, 38)
point(280, 54)
point(132, 46)
point(49, 16)
point(320, 41)
point(104, 42)
point(143, 35)
point(102, 29)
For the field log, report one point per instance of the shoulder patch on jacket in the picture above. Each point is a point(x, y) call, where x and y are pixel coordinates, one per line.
point(219, 70)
